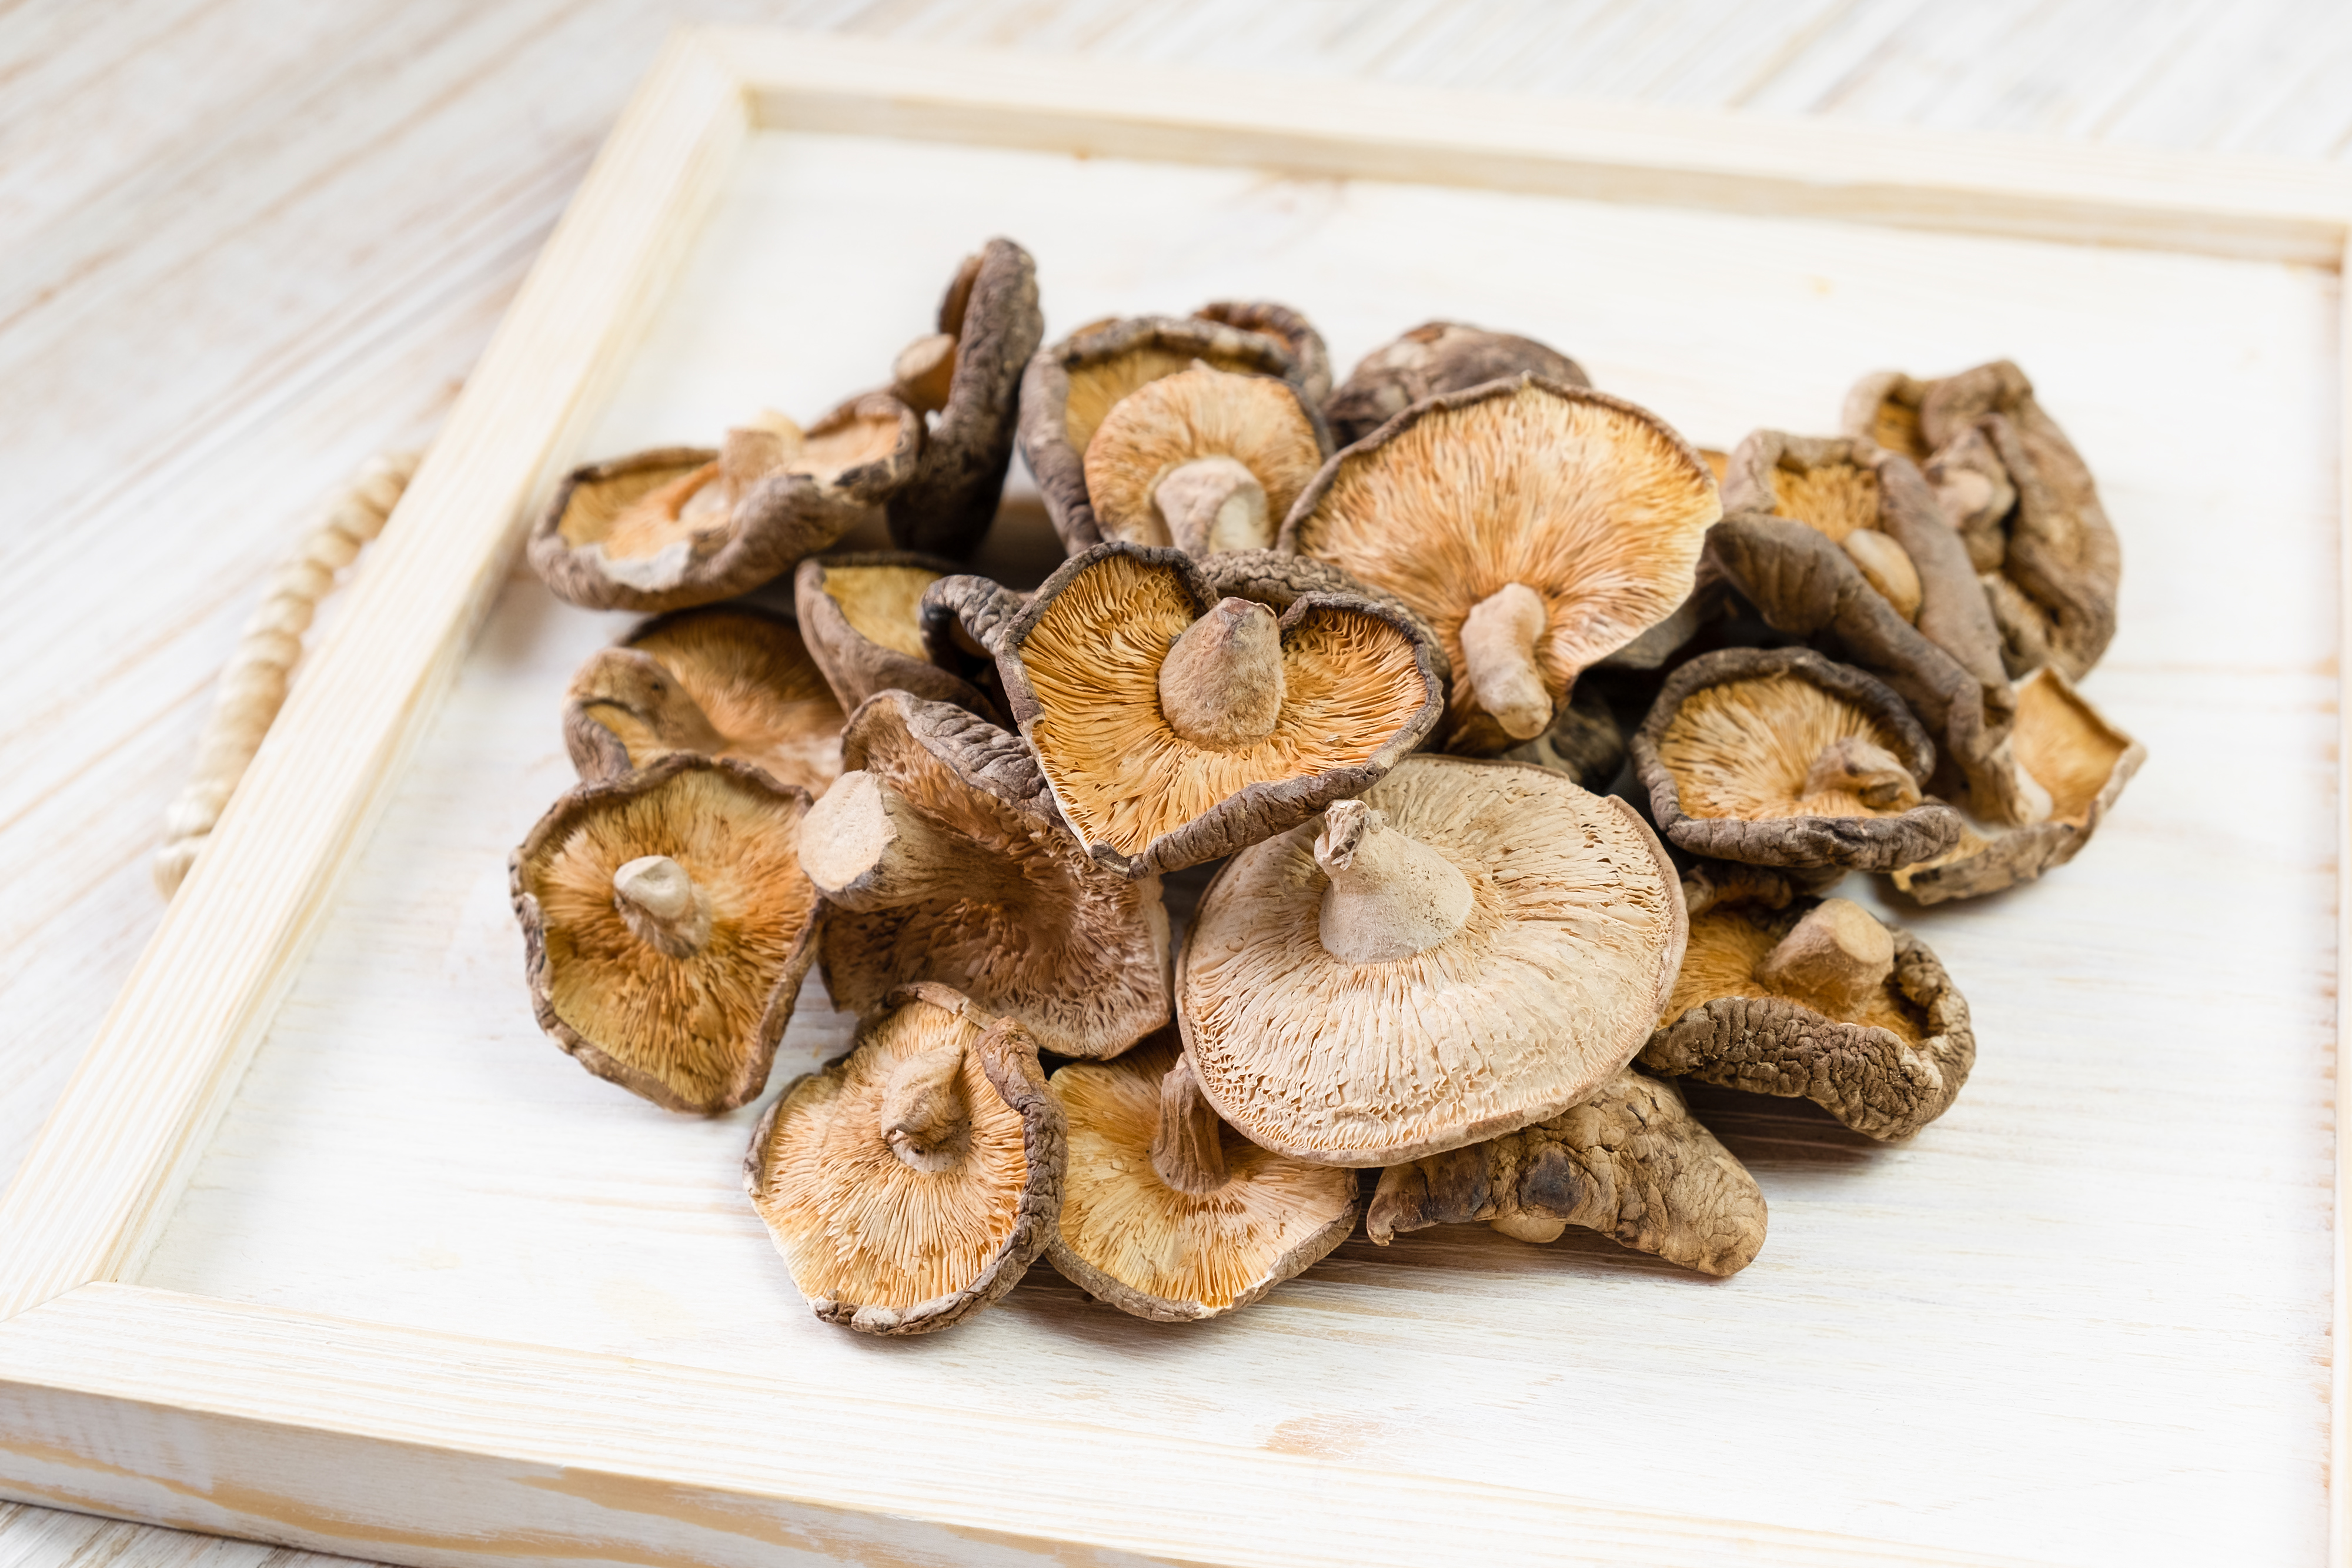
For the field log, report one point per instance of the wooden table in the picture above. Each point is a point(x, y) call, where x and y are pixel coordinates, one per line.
point(251, 242)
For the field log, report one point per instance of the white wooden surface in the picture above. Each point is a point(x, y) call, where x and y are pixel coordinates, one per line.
point(252, 246)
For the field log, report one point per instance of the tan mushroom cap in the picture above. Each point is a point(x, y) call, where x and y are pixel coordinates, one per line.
point(913, 1181)
point(1204, 460)
point(723, 681)
point(861, 614)
point(1511, 939)
point(1169, 1215)
point(1536, 527)
point(1434, 358)
point(668, 927)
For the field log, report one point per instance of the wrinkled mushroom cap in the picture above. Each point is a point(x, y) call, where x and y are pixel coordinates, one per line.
point(695, 1032)
point(885, 1244)
point(1311, 361)
point(862, 616)
point(1434, 359)
point(991, 316)
point(1198, 413)
point(1551, 985)
point(725, 681)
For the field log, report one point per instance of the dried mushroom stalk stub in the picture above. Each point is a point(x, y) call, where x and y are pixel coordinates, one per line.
point(1204, 459)
point(1470, 948)
point(1166, 1214)
point(1632, 1163)
point(1174, 727)
point(1781, 757)
point(1535, 527)
point(723, 681)
point(965, 380)
point(913, 1181)
point(668, 927)
point(2021, 498)
point(1817, 1001)
point(686, 525)
point(1434, 359)
point(2078, 759)
point(942, 858)
point(1311, 361)
point(862, 614)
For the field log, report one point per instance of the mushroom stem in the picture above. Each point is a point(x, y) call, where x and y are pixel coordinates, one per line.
point(1221, 684)
point(1211, 504)
point(1521, 1226)
point(1498, 652)
point(865, 848)
point(1390, 896)
point(1188, 1147)
point(1835, 956)
point(662, 905)
point(924, 1118)
point(1866, 769)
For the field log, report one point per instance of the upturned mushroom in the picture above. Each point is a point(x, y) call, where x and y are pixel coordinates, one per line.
point(1535, 527)
point(1167, 1215)
point(668, 927)
point(1818, 1000)
point(1434, 359)
point(942, 858)
point(1174, 727)
point(862, 616)
point(685, 526)
point(1310, 360)
point(1204, 459)
point(1781, 757)
point(1632, 1163)
point(1468, 948)
point(724, 681)
point(913, 1181)
point(1585, 743)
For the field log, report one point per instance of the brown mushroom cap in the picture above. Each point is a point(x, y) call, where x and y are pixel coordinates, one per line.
point(1206, 460)
point(1287, 327)
point(1585, 743)
point(673, 980)
point(990, 319)
point(862, 616)
point(1432, 359)
point(1165, 1212)
point(986, 894)
point(1174, 728)
point(1632, 1162)
point(1514, 937)
point(1781, 757)
point(2072, 753)
point(1539, 525)
point(1885, 1056)
point(725, 681)
point(914, 1180)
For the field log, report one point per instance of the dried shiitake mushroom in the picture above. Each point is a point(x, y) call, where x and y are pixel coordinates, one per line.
point(1204, 459)
point(1167, 1216)
point(1175, 728)
point(942, 858)
point(723, 681)
point(1311, 361)
point(1534, 525)
point(1470, 948)
point(668, 927)
point(1632, 1162)
point(1818, 1000)
point(913, 1181)
point(862, 616)
point(2069, 751)
point(1781, 757)
point(1585, 742)
point(1434, 358)
point(685, 526)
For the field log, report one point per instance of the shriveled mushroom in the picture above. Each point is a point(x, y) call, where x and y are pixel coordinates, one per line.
point(686, 525)
point(1167, 1215)
point(1311, 361)
point(1174, 727)
point(668, 927)
point(725, 681)
point(1535, 527)
point(1632, 1162)
point(1434, 358)
point(913, 1181)
point(862, 616)
point(1206, 460)
point(1781, 756)
point(2072, 753)
point(943, 859)
point(1585, 742)
point(1470, 948)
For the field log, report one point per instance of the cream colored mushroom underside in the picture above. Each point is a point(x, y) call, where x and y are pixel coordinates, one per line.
point(1725, 948)
point(1743, 749)
point(683, 503)
point(753, 680)
point(880, 603)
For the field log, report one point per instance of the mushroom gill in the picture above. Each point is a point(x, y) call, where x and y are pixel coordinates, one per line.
point(1777, 747)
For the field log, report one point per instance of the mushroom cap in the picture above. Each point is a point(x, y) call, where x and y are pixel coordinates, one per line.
point(684, 526)
point(1081, 667)
point(1731, 750)
point(1127, 1237)
point(1259, 421)
point(725, 681)
point(862, 616)
point(1038, 932)
point(1573, 938)
point(1278, 581)
point(1886, 1068)
point(1434, 359)
point(1287, 327)
point(695, 1033)
point(1585, 743)
point(2075, 754)
point(877, 1244)
point(1591, 501)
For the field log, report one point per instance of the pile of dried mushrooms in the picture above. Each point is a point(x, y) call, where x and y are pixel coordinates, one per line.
point(1529, 742)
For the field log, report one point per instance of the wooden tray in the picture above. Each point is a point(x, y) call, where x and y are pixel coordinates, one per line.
point(327, 1246)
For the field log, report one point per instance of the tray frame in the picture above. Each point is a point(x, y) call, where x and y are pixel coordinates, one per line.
point(321, 1432)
